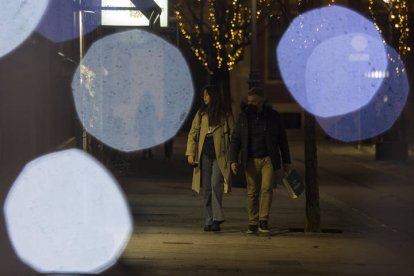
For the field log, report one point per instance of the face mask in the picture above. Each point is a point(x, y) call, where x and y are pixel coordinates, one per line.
point(252, 108)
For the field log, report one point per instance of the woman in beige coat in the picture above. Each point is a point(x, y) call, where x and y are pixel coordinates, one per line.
point(209, 139)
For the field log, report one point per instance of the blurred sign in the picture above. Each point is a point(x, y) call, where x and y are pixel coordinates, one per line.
point(132, 17)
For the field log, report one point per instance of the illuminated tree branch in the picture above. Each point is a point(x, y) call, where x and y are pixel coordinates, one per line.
point(221, 31)
point(397, 11)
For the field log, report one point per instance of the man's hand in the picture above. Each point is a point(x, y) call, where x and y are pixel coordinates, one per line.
point(190, 159)
point(234, 168)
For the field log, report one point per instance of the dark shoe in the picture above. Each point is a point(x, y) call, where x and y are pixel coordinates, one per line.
point(207, 228)
point(263, 226)
point(215, 226)
point(252, 229)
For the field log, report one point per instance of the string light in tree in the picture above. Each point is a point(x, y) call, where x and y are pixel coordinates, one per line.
point(226, 23)
point(398, 15)
point(194, 40)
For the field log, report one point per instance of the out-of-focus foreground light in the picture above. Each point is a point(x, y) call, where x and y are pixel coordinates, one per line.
point(66, 19)
point(324, 57)
point(335, 79)
point(65, 213)
point(18, 20)
point(380, 113)
point(133, 90)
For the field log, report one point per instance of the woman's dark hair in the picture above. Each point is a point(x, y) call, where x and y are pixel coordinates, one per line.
point(215, 109)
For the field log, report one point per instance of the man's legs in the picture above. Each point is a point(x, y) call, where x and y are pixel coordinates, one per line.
point(253, 182)
point(266, 191)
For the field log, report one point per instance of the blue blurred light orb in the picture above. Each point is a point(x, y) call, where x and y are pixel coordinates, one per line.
point(133, 90)
point(380, 113)
point(19, 20)
point(336, 74)
point(324, 57)
point(66, 214)
point(66, 19)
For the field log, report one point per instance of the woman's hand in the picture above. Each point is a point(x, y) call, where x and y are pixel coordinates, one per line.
point(234, 168)
point(190, 159)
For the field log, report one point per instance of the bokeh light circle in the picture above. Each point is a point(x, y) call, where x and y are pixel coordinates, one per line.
point(65, 213)
point(133, 90)
point(19, 19)
point(64, 19)
point(320, 49)
point(336, 75)
point(380, 113)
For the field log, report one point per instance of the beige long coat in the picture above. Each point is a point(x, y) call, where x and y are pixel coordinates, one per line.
point(221, 137)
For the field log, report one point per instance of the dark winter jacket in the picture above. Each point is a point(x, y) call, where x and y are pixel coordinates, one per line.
point(276, 140)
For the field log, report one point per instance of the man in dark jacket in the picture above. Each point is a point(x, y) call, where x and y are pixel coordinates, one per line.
point(260, 138)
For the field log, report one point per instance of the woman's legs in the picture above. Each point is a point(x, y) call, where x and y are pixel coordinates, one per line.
point(206, 169)
point(212, 185)
point(217, 185)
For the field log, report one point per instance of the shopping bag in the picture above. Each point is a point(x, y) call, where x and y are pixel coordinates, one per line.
point(293, 183)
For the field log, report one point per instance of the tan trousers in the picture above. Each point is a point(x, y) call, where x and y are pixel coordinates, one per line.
point(259, 177)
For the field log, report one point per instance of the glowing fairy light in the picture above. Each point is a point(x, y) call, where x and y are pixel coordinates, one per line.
point(228, 38)
point(398, 10)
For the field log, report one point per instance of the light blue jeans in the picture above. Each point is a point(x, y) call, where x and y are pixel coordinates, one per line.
point(212, 182)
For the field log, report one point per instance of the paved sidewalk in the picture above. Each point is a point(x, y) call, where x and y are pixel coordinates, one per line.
point(168, 237)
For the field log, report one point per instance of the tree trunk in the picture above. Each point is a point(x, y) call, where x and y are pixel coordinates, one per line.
point(313, 215)
point(393, 145)
point(221, 78)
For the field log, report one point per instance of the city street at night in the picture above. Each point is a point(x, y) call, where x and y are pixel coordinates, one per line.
point(208, 137)
point(367, 220)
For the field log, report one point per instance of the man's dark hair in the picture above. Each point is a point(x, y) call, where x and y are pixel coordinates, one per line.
point(258, 91)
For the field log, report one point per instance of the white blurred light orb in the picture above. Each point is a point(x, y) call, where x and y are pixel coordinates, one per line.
point(18, 20)
point(133, 90)
point(323, 57)
point(65, 213)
